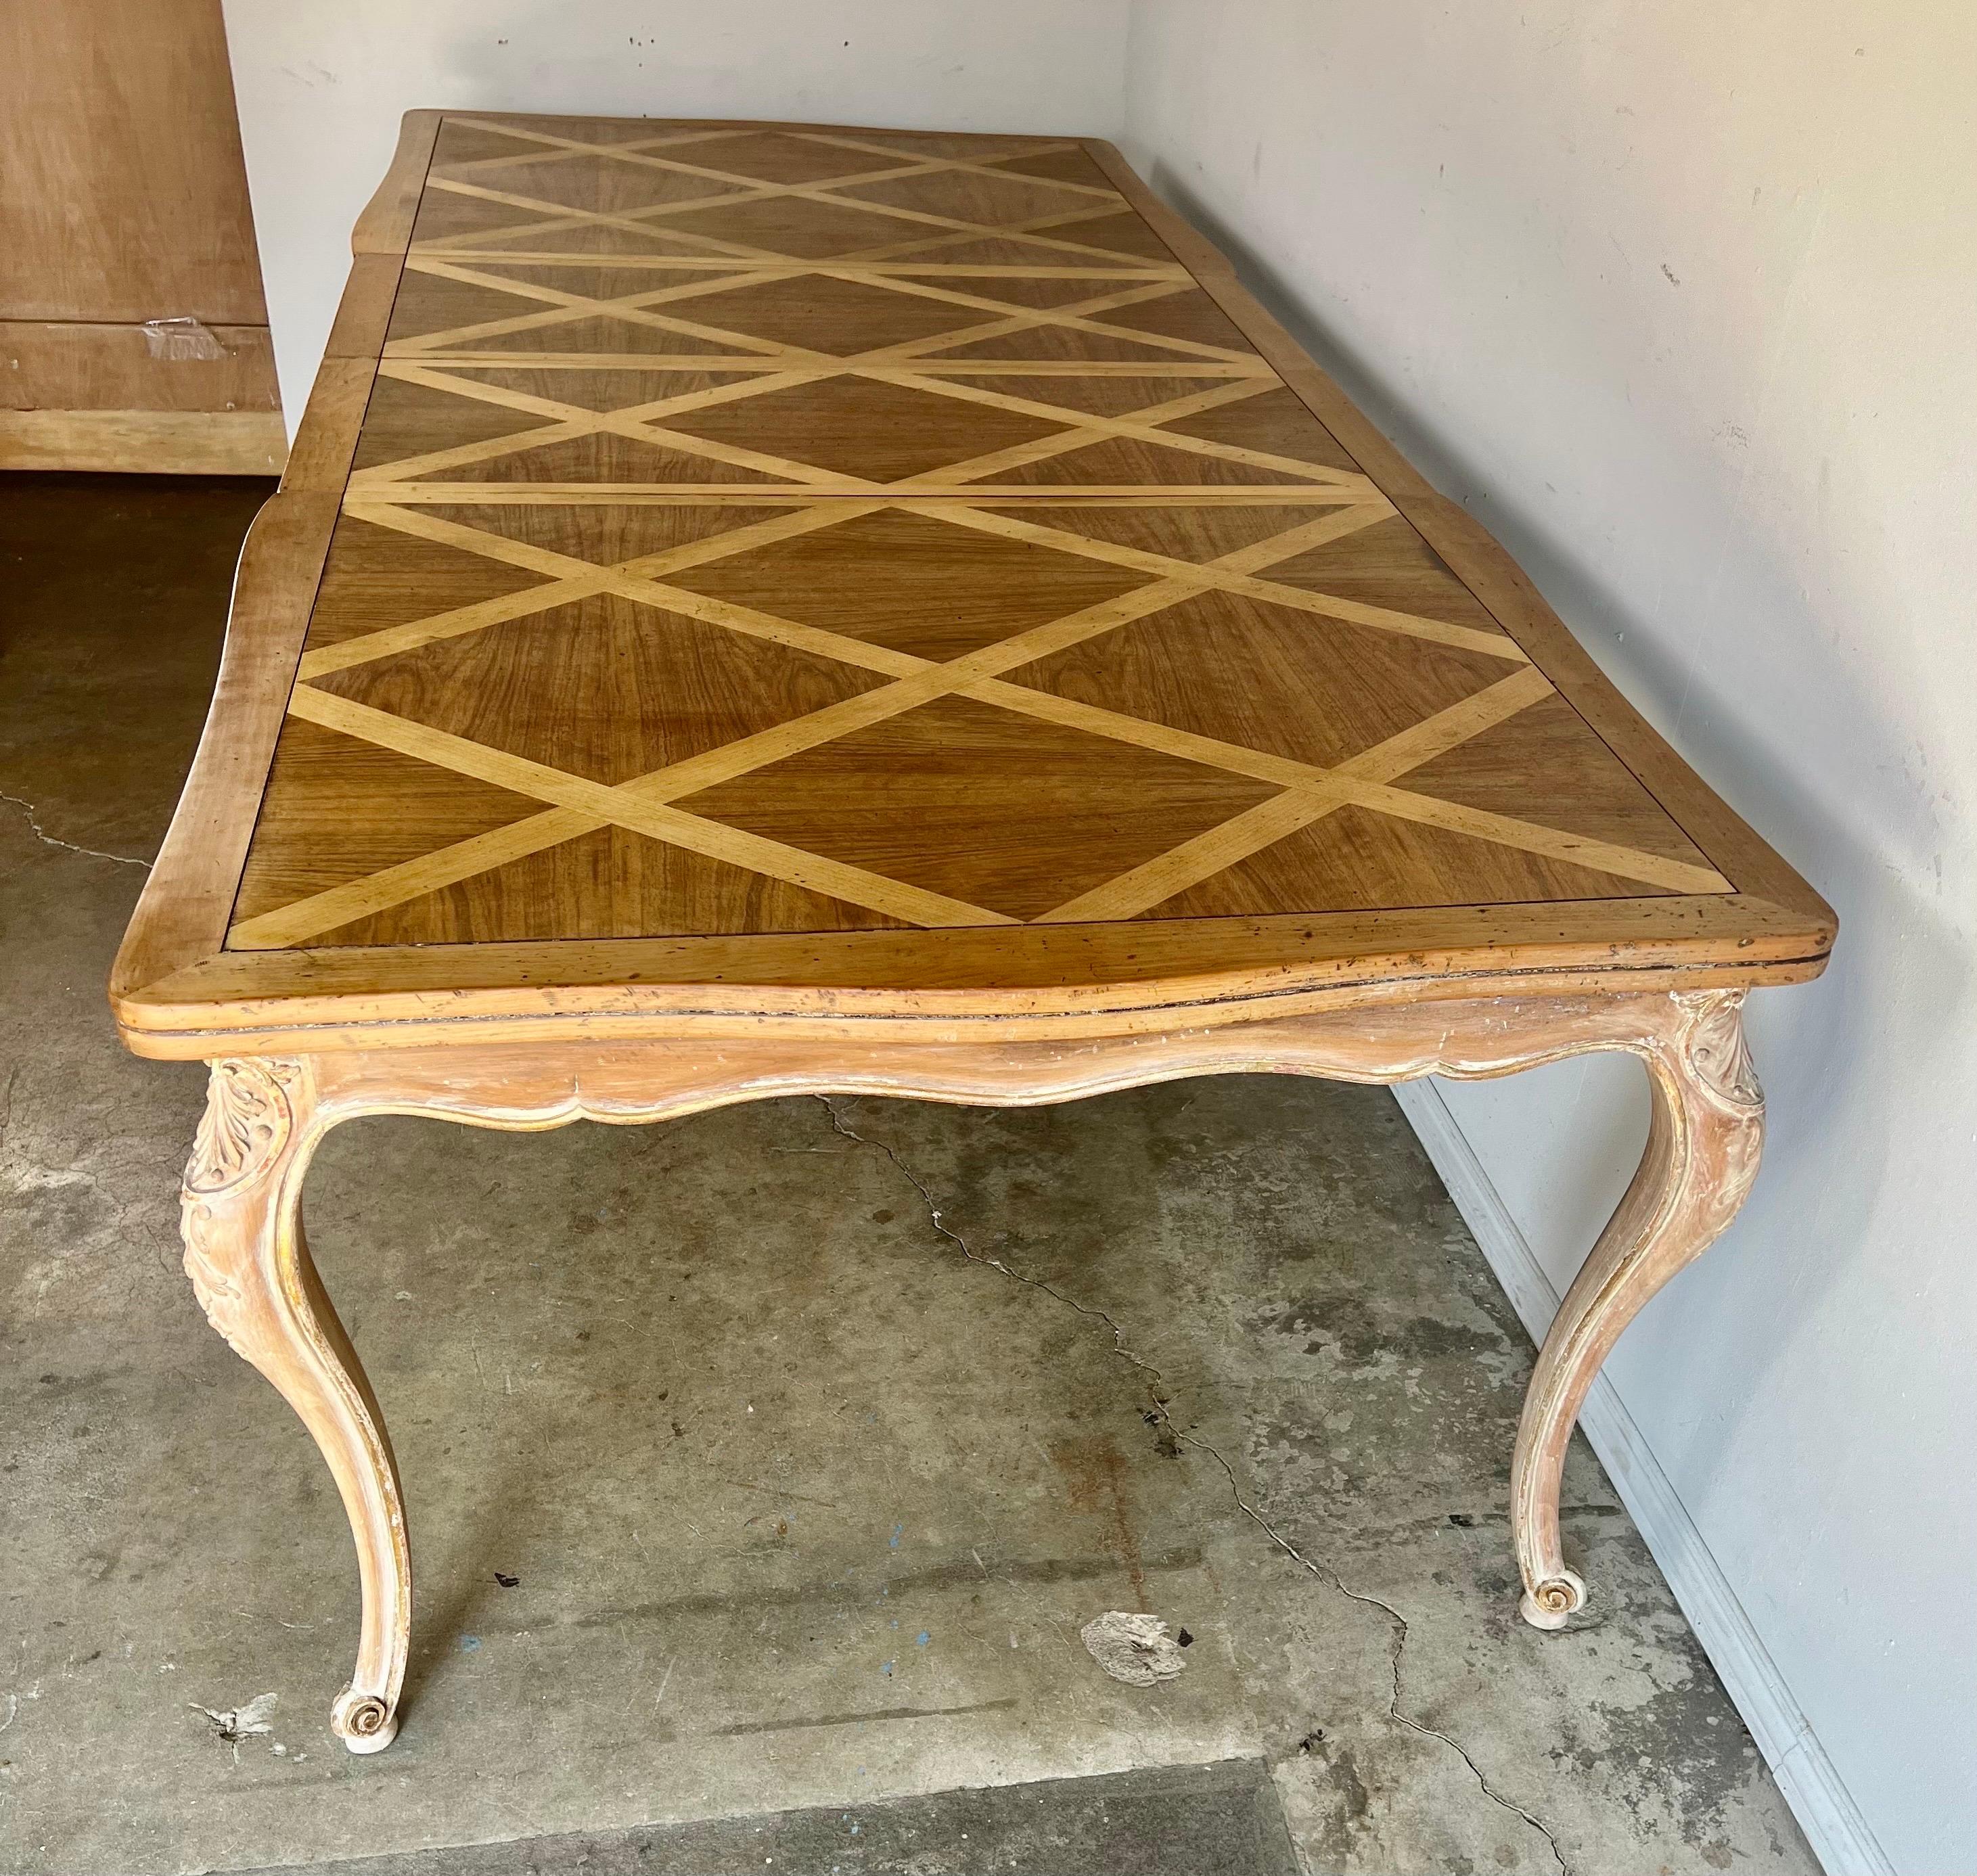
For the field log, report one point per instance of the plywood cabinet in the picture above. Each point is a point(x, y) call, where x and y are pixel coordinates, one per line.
point(133, 331)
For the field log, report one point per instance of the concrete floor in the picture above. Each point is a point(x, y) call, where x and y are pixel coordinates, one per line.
point(803, 1437)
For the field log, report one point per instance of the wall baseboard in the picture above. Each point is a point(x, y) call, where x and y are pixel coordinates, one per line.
point(1840, 1834)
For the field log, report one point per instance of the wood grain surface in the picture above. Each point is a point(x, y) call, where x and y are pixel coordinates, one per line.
point(821, 563)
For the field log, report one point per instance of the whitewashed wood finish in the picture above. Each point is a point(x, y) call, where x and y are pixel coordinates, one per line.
point(250, 1266)
point(1833, 1823)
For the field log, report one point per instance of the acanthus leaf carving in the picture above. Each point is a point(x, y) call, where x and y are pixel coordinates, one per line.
point(1714, 1044)
point(249, 1117)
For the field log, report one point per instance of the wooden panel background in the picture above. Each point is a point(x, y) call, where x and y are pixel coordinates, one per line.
point(123, 200)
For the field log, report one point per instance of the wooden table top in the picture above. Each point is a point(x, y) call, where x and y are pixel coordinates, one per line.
point(732, 571)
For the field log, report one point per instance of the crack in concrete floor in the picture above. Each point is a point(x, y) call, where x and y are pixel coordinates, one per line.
point(41, 833)
point(1396, 1623)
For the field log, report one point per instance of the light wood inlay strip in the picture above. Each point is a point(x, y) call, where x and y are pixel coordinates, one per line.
point(1125, 494)
point(1033, 231)
point(875, 273)
point(445, 751)
point(561, 307)
point(656, 362)
point(1314, 793)
point(1077, 318)
point(1334, 526)
point(636, 156)
point(1435, 735)
point(445, 533)
point(385, 480)
point(744, 539)
point(548, 155)
point(1195, 860)
point(1307, 535)
point(555, 145)
point(766, 625)
point(976, 675)
point(626, 420)
point(637, 223)
point(640, 812)
point(1090, 367)
point(1407, 624)
point(698, 361)
point(1142, 423)
point(1409, 749)
point(1218, 576)
point(1260, 765)
point(462, 620)
point(963, 230)
point(1352, 488)
point(638, 580)
point(324, 911)
point(1358, 782)
point(836, 140)
point(635, 804)
point(1628, 862)
point(1143, 426)
point(572, 421)
point(583, 578)
point(751, 189)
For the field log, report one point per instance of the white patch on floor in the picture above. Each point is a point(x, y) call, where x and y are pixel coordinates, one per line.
point(1135, 1649)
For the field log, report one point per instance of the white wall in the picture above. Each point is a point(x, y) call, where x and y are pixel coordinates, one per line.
point(1679, 299)
point(322, 84)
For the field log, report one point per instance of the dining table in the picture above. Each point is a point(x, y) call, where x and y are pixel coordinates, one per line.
point(757, 608)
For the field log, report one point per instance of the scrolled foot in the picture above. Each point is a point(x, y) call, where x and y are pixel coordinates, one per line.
point(363, 1721)
point(1548, 1605)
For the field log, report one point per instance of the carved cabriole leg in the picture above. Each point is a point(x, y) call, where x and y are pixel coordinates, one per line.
point(1702, 1151)
point(245, 1252)
point(249, 1265)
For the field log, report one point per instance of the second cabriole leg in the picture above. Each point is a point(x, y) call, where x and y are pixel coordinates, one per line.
point(1703, 1147)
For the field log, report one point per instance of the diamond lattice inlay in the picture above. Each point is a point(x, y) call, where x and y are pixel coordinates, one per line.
point(760, 530)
